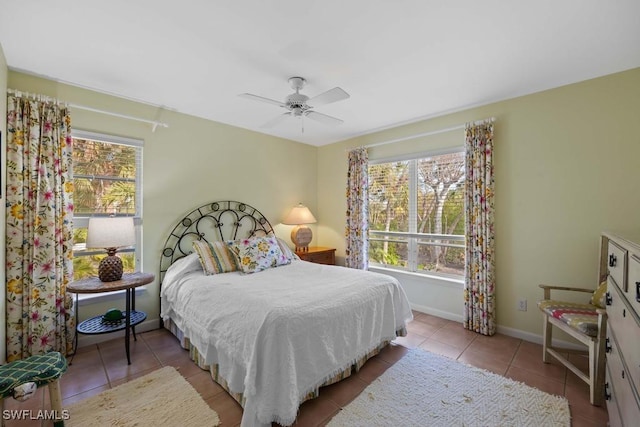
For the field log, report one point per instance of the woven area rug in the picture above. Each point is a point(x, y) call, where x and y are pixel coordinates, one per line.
point(425, 389)
point(161, 398)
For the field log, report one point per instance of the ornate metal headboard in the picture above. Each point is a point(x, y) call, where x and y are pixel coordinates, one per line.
point(222, 220)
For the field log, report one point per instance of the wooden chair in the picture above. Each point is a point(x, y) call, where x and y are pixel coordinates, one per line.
point(20, 379)
point(587, 323)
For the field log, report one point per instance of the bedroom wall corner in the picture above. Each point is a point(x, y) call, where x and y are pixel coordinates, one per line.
point(564, 172)
point(3, 158)
point(192, 162)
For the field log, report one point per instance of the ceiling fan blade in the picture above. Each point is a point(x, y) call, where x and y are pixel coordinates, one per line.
point(332, 95)
point(262, 99)
point(323, 118)
point(276, 120)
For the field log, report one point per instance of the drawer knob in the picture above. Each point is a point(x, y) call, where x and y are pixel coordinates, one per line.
point(612, 260)
point(607, 395)
point(607, 345)
point(608, 298)
point(638, 291)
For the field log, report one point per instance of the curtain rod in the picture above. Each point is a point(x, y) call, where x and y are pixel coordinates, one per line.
point(433, 132)
point(154, 123)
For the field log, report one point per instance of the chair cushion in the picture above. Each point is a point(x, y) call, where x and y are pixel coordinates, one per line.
point(40, 369)
point(581, 317)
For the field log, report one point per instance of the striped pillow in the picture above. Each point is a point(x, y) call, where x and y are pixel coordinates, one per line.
point(214, 257)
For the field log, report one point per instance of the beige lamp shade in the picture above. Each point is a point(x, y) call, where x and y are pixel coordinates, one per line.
point(110, 233)
point(301, 235)
point(299, 215)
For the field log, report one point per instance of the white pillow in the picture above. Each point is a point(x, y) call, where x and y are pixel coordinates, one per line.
point(181, 267)
point(286, 251)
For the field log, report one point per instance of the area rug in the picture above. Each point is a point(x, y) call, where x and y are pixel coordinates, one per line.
point(161, 398)
point(425, 389)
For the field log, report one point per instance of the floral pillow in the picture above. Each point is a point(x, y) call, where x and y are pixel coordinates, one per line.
point(257, 253)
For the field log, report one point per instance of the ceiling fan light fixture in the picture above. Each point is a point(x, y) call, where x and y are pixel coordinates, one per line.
point(296, 103)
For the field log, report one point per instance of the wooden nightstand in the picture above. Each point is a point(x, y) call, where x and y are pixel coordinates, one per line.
point(96, 324)
point(319, 255)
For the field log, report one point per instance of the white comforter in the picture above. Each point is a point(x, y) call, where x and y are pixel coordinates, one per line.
point(280, 333)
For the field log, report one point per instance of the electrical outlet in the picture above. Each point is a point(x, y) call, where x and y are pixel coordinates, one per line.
point(522, 305)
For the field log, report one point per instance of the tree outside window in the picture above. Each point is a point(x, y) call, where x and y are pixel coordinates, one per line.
point(106, 182)
point(416, 214)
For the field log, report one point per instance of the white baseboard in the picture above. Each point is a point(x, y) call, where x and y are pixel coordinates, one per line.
point(85, 340)
point(504, 330)
point(438, 313)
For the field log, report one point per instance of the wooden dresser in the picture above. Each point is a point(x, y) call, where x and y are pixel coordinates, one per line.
point(319, 255)
point(620, 258)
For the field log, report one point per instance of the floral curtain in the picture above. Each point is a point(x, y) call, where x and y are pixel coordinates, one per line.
point(479, 286)
point(357, 229)
point(39, 227)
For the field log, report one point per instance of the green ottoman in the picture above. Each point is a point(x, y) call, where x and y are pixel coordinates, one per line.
point(44, 369)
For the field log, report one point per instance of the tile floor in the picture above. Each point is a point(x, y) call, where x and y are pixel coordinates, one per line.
point(99, 367)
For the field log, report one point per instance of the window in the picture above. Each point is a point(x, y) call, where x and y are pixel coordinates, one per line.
point(107, 177)
point(416, 214)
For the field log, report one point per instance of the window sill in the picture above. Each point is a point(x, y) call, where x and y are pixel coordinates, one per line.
point(88, 299)
point(445, 280)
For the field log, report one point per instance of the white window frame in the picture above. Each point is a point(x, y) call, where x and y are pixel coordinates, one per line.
point(83, 221)
point(412, 236)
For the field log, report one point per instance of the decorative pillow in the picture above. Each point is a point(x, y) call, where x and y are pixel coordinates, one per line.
point(599, 296)
point(214, 257)
point(286, 251)
point(257, 253)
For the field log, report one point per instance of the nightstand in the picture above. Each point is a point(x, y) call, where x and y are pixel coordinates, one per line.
point(319, 255)
point(96, 324)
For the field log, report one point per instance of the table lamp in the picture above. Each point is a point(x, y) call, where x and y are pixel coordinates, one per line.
point(301, 234)
point(110, 233)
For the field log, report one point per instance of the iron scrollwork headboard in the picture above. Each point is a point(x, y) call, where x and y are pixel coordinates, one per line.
point(222, 220)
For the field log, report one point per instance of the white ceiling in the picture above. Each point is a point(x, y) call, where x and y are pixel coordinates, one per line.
point(400, 60)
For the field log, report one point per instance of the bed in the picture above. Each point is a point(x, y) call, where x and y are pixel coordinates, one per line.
point(271, 334)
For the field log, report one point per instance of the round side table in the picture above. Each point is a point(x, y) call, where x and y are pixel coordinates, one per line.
point(98, 325)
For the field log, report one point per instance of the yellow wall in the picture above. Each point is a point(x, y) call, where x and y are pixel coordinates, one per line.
point(3, 180)
point(564, 162)
point(565, 170)
point(192, 162)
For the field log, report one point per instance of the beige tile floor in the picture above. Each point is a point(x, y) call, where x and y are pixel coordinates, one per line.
point(103, 366)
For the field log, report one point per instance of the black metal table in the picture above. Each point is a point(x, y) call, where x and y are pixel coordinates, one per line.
point(97, 325)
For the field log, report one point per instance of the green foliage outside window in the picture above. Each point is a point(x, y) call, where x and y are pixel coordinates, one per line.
point(104, 184)
point(418, 196)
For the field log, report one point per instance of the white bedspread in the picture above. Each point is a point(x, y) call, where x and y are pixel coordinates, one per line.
point(280, 333)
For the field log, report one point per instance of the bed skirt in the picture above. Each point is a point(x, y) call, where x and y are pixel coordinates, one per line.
point(239, 397)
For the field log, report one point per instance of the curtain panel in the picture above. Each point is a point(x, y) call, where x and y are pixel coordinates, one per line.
point(357, 228)
point(39, 228)
point(479, 286)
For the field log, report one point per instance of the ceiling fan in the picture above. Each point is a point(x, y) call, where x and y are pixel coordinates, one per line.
point(299, 105)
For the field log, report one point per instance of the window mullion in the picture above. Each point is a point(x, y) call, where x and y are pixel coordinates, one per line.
point(412, 255)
